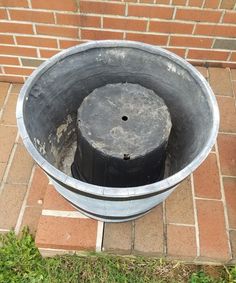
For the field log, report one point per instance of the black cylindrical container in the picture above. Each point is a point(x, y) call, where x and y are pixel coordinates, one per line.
point(123, 131)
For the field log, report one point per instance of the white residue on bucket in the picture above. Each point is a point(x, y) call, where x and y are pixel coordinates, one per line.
point(63, 127)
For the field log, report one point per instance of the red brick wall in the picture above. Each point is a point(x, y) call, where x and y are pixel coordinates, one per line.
point(201, 31)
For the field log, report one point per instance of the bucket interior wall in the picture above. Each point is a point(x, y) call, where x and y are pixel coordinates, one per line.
point(50, 108)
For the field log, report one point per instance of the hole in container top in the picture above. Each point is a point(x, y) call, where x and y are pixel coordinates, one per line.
point(126, 156)
point(124, 118)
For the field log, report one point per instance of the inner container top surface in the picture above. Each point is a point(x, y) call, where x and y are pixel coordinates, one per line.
point(124, 119)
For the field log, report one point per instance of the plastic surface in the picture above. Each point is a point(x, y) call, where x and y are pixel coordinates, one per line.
point(123, 132)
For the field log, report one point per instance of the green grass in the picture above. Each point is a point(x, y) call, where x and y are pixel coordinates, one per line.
point(20, 261)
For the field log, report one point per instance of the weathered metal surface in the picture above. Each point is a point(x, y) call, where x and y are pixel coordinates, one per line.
point(47, 113)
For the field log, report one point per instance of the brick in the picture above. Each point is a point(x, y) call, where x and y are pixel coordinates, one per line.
point(145, 1)
point(233, 74)
point(227, 4)
point(117, 237)
point(171, 27)
point(227, 114)
point(3, 14)
point(6, 39)
point(195, 3)
point(124, 24)
point(220, 81)
point(230, 197)
point(18, 51)
point(203, 71)
point(229, 17)
point(229, 64)
point(9, 61)
point(36, 41)
point(181, 241)
point(7, 139)
point(208, 54)
point(31, 62)
point(184, 41)
point(148, 38)
point(14, 3)
point(21, 166)
point(12, 79)
point(232, 235)
point(229, 44)
point(66, 233)
point(47, 252)
point(54, 201)
point(8, 117)
point(32, 16)
point(213, 4)
point(68, 43)
point(16, 28)
point(31, 218)
point(207, 179)
point(18, 71)
point(216, 30)
point(179, 2)
point(68, 5)
point(198, 15)
point(57, 31)
point(46, 53)
point(15, 88)
point(78, 20)
point(199, 63)
point(4, 88)
point(100, 34)
point(3, 92)
point(162, 1)
point(227, 150)
point(233, 56)
point(38, 188)
point(178, 51)
point(180, 214)
point(2, 169)
point(102, 8)
point(149, 234)
point(212, 230)
point(11, 200)
point(150, 11)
